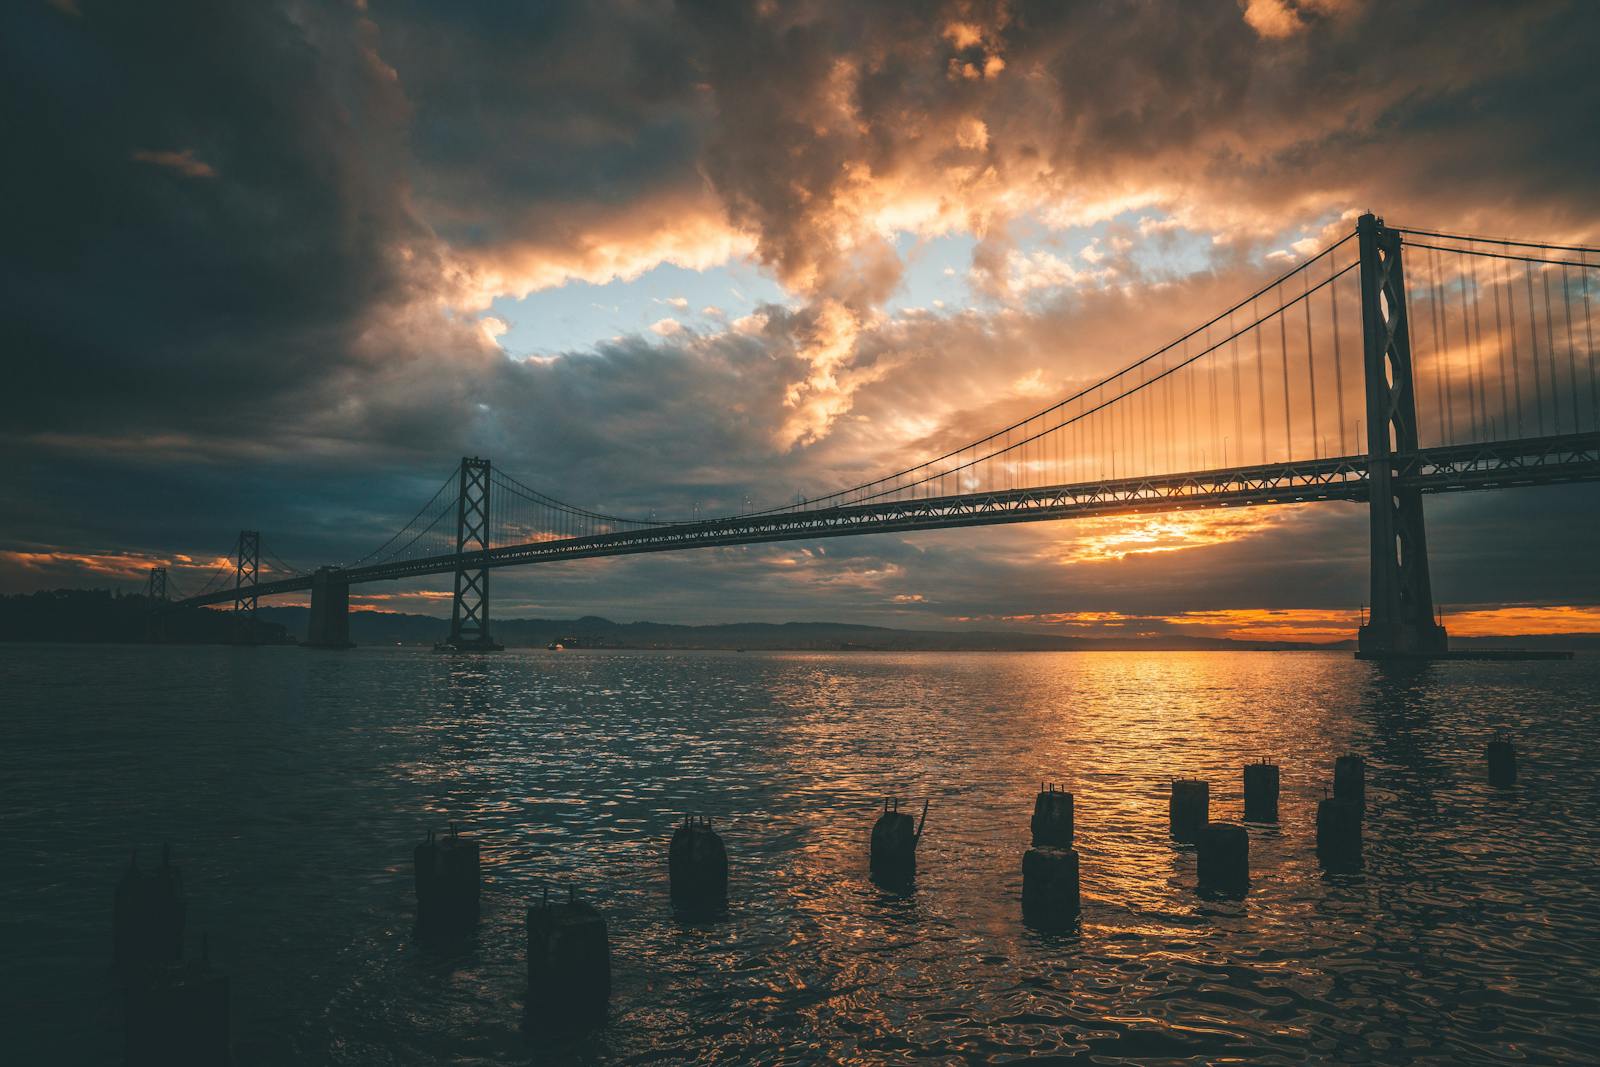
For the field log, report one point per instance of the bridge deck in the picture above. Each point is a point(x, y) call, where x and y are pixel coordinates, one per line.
point(1490, 465)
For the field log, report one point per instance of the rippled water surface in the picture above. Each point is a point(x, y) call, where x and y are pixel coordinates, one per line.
point(294, 784)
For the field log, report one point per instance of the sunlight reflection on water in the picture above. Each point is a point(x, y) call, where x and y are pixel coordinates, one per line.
point(293, 785)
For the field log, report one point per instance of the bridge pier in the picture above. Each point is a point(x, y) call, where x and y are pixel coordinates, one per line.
point(1401, 623)
point(330, 611)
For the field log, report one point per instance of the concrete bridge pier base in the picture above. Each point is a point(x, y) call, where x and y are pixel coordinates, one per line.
point(330, 611)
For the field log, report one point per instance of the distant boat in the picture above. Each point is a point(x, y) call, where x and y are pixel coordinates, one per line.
point(555, 646)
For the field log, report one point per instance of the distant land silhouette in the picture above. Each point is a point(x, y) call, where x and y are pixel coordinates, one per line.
point(103, 616)
point(99, 615)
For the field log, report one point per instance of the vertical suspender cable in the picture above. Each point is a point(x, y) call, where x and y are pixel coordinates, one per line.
point(1261, 380)
point(1511, 331)
point(1311, 364)
point(1500, 357)
point(1572, 359)
point(1338, 358)
point(1444, 348)
point(1441, 359)
point(1533, 340)
point(1238, 412)
point(1550, 350)
point(1192, 436)
point(1166, 429)
point(1588, 337)
point(1213, 414)
point(1477, 332)
point(1283, 347)
point(1472, 380)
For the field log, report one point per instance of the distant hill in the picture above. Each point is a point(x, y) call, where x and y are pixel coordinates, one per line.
point(98, 615)
point(378, 627)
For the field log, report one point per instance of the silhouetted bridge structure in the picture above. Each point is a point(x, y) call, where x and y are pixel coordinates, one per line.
point(1508, 363)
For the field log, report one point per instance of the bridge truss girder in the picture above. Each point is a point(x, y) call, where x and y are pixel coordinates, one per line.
point(1549, 460)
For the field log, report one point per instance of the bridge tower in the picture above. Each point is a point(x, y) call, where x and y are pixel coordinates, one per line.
point(155, 592)
point(469, 612)
point(246, 568)
point(155, 586)
point(1401, 620)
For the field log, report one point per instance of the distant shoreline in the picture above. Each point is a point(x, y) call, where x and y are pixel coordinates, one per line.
point(100, 617)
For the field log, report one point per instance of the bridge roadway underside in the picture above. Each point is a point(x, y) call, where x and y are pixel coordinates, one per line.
point(1456, 468)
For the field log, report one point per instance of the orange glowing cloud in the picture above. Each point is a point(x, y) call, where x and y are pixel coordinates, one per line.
point(1093, 540)
point(107, 565)
point(620, 243)
point(394, 601)
point(1308, 625)
point(1525, 619)
point(1269, 624)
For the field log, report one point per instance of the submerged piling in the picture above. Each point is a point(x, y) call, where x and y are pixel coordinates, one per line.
point(1350, 780)
point(1261, 792)
point(446, 873)
point(697, 867)
point(1339, 834)
point(1050, 898)
point(569, 961)
point(1050, 887)
point(177, 1013)
point(1501, 754)
point(1222, 860)
point(148, 913)
point(894, 843)
point(1052, 818)
point(1188, 809)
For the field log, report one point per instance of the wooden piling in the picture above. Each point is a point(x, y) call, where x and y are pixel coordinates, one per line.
point(1261, 792)
point(1188, 808)
point(1501, 754)
point(1050, 899)
point(446, 873)
point(697, 868)
point(1052, 818)
point(569, 962)
point(894, 843)
point(1222, 860)
point(1339, 834)
point(148, 914)
point(1350, 780)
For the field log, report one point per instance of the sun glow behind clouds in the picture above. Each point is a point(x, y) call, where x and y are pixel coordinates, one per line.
point(578, 315)
point(1302, 625)
point(1116, 537)
point(943, 271)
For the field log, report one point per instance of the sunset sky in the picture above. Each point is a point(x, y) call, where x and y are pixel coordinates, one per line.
point(280, 265)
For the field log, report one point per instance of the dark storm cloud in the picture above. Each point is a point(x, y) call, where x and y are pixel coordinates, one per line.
point(246, 242)
point(202, 203)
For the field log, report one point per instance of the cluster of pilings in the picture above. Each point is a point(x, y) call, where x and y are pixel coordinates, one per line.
point(569, 950)
point(175, 1010)
point(1222, 849)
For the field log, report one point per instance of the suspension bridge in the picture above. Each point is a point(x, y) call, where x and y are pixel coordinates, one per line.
point(1394, 364)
